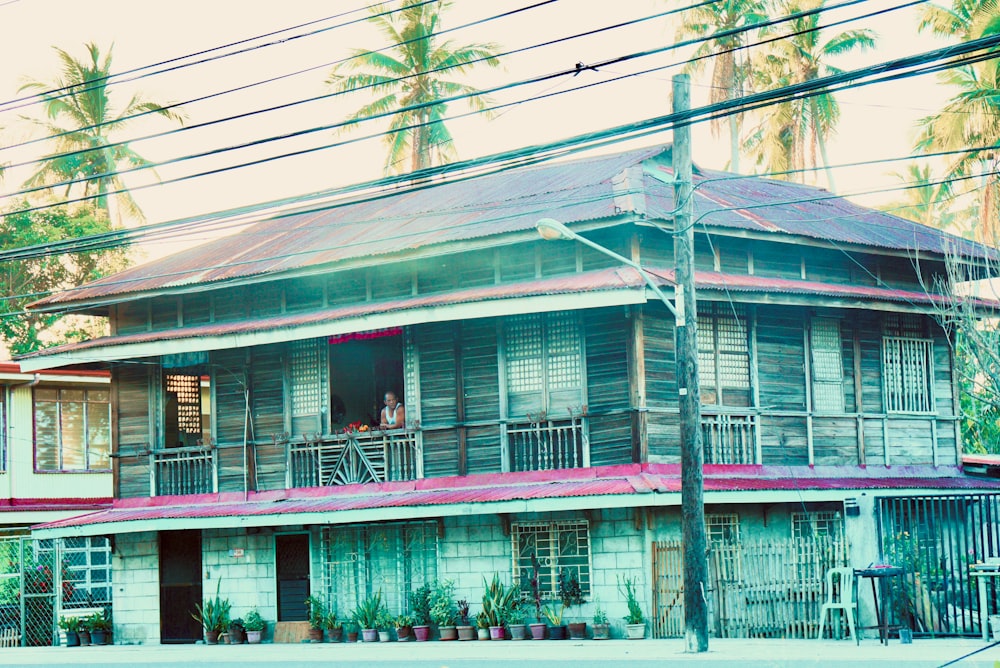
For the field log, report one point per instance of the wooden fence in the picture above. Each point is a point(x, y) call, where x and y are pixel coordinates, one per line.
point(758, 589)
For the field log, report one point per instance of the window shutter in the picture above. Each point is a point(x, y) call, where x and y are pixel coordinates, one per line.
point(827, 366)
point(306, 387)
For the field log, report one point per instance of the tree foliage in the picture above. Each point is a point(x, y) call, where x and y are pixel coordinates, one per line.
point(415, 71)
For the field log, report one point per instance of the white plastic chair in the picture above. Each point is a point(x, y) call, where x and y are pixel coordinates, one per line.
point(840, 597)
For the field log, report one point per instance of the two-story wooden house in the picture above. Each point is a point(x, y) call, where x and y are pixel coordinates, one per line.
point(538, 380)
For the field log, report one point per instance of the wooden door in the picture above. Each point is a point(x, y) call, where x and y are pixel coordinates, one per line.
point(291, 554)
point(180, 586)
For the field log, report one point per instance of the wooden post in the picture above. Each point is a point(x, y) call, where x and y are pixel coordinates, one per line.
point(692, 457)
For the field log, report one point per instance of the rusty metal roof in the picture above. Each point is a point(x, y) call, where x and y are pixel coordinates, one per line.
point(513, 201)
point(454, 494)
point(623, 278)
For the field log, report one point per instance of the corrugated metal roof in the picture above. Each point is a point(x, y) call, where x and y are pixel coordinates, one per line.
point(623, 278)
point(512, 201)
point(459, 492)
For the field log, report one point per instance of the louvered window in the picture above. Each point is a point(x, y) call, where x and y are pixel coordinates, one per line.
point(907, 366)
point(827, 366)
point(723, 355)
point(551, 547)
point(544, 361)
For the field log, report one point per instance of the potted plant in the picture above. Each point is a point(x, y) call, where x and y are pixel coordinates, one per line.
point(538, 627)
point(497, 603)
point(237, 632)
point(571, 594)
point(421, 606)
point(466, 631)
point(71, 625)
point(334, 627)
point(635, 623)
point(317, 618)
point(254, 625)
point(84, 633)
point(482, 626)
point(443, 610)
point(601, 628)
point(383, 622)
point(514, 620)
point(213, 615)
point(351, 629)
point(367, 616)
point(553, 613)
point(404, 627)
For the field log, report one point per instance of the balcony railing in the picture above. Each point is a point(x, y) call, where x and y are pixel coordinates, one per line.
point(729, 438)
point(548, 444)
point(183, 471)
point(357, 457)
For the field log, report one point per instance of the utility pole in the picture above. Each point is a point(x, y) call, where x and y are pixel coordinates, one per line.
point(692, 455)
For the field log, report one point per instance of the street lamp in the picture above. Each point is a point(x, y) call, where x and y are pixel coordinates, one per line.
point(689, 401)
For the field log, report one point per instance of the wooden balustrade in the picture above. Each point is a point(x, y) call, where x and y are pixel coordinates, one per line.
point(729, 438)
point(356, 457)
point(183, 471)
point(548, 444)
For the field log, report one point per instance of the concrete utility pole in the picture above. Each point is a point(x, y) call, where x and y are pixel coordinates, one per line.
point(692, 455)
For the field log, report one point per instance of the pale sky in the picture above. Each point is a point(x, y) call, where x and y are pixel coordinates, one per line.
point(878, 121)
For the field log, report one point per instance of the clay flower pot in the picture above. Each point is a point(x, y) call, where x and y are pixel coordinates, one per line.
point(497, 633)
point(577, 630)
point(421, 632)
point(537, 631)
point(466, 632)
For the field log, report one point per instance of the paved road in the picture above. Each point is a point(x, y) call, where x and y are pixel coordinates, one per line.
point(509, 654)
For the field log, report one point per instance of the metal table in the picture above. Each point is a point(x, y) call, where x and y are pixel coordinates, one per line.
point(877, 574)
point(981, 572)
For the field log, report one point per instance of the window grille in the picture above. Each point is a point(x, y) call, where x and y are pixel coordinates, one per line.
point(72, 429)
point(827, 365)
point(87, 568)
point(187, 389)
point(908, 374)
point(818, 524)
point(722, 528)
point(392, 558)
point(305, 371)
point(556, 546)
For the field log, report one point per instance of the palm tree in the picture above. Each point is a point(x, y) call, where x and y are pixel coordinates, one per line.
point(81, 118)
point(971, 118)
point(791, 129)
point(925, 200)
point(412, 73)
point(729, 76)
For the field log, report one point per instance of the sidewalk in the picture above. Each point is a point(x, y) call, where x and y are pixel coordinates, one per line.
point(605, 654)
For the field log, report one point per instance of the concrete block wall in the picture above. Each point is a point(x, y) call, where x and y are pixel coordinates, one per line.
point(135, 574)
point(241, 565)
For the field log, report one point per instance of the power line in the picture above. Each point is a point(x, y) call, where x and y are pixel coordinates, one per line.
point(414, 107)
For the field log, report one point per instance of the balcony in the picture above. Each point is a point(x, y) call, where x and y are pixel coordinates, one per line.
point(548, 444)
point(355, 457)
point(729, 438)
point(189, 470)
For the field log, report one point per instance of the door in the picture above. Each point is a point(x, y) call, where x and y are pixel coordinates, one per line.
point(180, 586)
point(291, 554)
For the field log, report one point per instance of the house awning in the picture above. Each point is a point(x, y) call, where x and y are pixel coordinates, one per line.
point(592, 289)
point(624, 486)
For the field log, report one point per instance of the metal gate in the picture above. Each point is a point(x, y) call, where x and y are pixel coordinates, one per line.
point(41, 578)
point(935, 539)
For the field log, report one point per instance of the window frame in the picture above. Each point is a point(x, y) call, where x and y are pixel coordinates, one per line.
point(60, 446)
point(723, 362)
point(549, 572)
point(819, 379)
point(552, 356)
point(907, 388)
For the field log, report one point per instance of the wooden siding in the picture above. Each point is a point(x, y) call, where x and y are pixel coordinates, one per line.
point(229, 379)
point(438, 388)
point(481, 395)
point(783, 440)
point(663, 426)
point(781, 358)
point(133, 438)
point(304, 294)
point(163, 313)
point(267, 391)
point(131, 317)
point(606, 332)
point(835, 440)
point(777, 260)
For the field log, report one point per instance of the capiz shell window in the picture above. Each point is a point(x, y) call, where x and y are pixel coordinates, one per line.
point(72, 429)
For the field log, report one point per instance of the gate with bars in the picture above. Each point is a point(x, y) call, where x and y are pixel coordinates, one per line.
point(39, 579)
point(935, 539)
point(758, 589)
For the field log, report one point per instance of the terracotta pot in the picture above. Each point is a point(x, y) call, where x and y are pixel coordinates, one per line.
point(253, 637)
point(602, 632)
point(403, 633)
point(497, 633)
point(211, 638)
point(237, 636)
point(352, 636)
point(577, 630)
point(336, 635)
point(635, 631)
point(557, 633)
point(466, 632)
point(483, 634)
point(537, 631)
point(369, 635)
point(72, 639)
point(518, 632)
point(448, 633)
point(421, 632)
point(316, 635)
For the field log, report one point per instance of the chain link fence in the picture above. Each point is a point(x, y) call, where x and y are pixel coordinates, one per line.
point(39, 579)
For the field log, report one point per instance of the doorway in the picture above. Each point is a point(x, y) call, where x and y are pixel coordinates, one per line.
point(180, 586)
point(291, 556)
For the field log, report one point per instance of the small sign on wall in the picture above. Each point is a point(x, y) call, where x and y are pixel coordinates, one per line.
point(236, 552)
